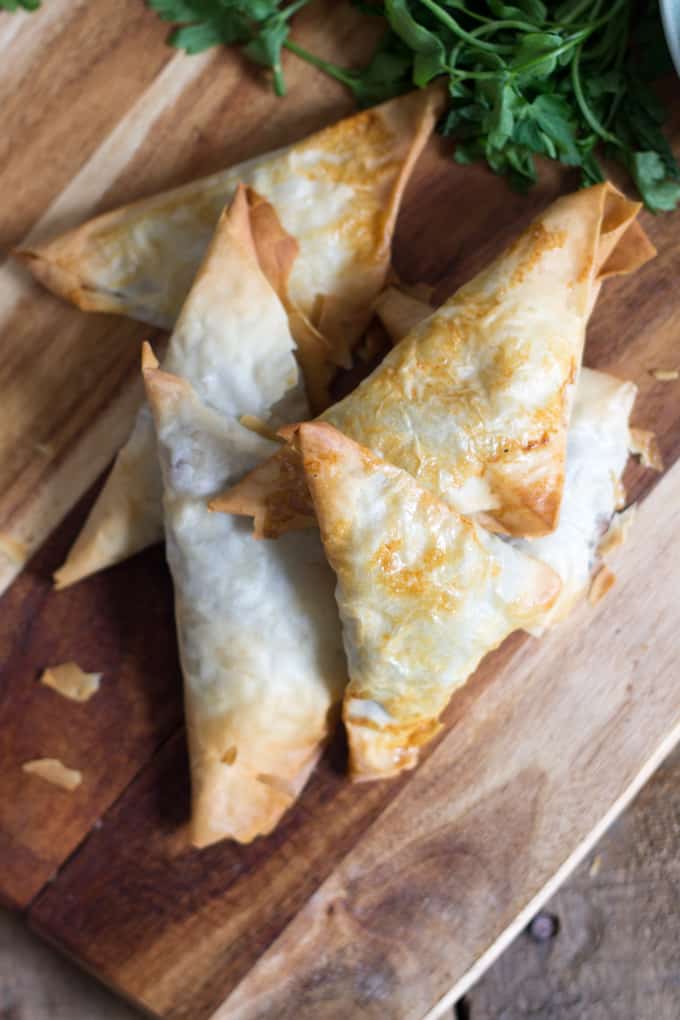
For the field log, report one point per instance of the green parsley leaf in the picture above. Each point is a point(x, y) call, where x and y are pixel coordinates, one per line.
point(388, 74)
point(660, 192)
point(199, 37)
point(16, 5)
point(500, 120)
point(429, 50)
point(522, 168)
point(536, 55)
point(553, 115)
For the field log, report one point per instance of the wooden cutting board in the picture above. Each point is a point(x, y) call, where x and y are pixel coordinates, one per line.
point(385, 900)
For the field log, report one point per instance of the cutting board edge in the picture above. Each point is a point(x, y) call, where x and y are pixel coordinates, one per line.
point(463, 985)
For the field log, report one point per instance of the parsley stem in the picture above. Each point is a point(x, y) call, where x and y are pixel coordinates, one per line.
point(452, 24)
point(289, 11)
point(622, 46)
point(575, 11)
point(490, 30)
point(498, 26)
point(596, 23)
point(576, 39)
point(339, 73)
point(279, 80)
point(588, 114)
point(604, 47)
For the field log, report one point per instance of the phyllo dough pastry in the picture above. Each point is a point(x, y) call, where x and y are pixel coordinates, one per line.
point(598, 443)
point(258, 626)
point(233, 343)
point(424, 594)
point(475, 401)
point(337, 192)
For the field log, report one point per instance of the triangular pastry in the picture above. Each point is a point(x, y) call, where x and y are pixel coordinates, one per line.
point(475, 401)
point(233, 343)
point(423, 594)
point(337, 192)
point(258, 627)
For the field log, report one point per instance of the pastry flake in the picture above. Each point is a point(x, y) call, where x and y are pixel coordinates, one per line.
point(71, 681)
point(618, 531)
point(55, 772)
point(643, 444)
point(603, 581)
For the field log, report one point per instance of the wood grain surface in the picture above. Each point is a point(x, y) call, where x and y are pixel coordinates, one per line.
point(614, 955)
point(616, 951)
point(311, 919)
point(385, 896)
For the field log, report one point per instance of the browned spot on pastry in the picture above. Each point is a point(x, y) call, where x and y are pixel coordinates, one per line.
point(540, 241)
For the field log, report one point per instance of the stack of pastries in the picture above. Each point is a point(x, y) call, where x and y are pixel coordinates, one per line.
point(361, 556)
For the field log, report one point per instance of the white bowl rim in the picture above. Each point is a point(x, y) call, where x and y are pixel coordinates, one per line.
point(670, 19)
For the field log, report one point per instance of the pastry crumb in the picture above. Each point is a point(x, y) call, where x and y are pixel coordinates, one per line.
point(643, 444)
point(71, 681)
point(601, 583)
point(618, 530)
point(55, 772)
point(594, 869)
point(665, 374)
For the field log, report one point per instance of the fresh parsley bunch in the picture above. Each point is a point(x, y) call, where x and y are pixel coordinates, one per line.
point(563, 80)
point(526, 78)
